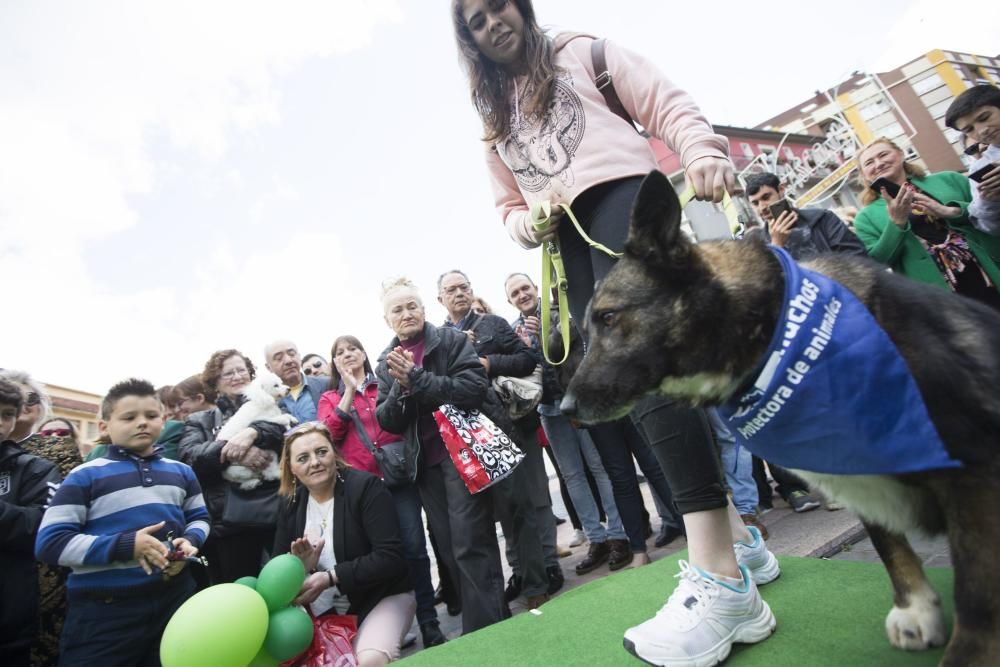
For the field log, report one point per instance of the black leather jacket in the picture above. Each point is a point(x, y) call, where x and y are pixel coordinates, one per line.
point(200, 450)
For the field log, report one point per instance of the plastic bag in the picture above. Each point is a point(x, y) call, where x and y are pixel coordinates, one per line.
point(482, 453)
point(331, 645)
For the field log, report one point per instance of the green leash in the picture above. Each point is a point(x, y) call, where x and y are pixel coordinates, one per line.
point(554, 271)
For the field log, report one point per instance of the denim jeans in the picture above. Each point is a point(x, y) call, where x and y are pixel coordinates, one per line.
point(411, 531)
point(574, 449)
point(737, 464)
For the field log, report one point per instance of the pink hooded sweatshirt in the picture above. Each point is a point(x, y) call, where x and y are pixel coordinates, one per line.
point(581, 143)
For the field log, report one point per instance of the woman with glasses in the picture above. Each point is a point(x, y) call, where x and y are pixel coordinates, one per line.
point(351, 402)
point(242, 521)
point(313, 364)
point(340, 522)
point(57, 427)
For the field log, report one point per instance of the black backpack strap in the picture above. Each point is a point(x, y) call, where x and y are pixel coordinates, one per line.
point(605, 84)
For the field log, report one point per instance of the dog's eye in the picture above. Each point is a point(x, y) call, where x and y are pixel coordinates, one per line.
point(609, 318)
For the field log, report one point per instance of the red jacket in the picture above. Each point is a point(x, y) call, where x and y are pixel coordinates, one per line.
point(342, 426)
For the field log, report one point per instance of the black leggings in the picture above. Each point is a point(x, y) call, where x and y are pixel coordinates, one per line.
point(681, 437)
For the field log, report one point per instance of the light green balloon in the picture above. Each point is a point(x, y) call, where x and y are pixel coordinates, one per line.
point(280, 581)
point(251, 582)
point(222, 626)
point(262, 659)
point(289, 633)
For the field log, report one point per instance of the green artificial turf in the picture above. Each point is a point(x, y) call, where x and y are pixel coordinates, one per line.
point(829, 612)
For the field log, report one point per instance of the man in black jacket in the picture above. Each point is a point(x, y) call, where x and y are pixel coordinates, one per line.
point(803, 232)
point(525, 512)
point(26, 484)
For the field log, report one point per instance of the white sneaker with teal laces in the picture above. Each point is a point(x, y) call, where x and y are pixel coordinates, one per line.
point(700, 622)
point(757, 558)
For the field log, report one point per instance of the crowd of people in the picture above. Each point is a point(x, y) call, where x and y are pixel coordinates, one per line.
point(103, 542)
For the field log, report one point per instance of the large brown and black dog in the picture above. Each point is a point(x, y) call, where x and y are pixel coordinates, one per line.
point(694, 321)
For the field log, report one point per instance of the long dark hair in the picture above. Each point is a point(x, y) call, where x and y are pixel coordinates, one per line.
point(334, 373)
point(492, 85)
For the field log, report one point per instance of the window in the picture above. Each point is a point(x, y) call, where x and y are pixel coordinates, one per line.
point(892, 131)
point(877, 107)
point(938, 110)
point(747, 150)
point(91, 430)
point(928, 84)
point(789, 153)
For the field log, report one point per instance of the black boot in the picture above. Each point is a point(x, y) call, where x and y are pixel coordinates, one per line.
point(432, 635)
point(513, 588)
point(556, 578)
point(597, 555)
point(668, 533)
point(621, 554)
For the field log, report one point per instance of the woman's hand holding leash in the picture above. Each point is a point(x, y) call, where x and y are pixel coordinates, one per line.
point(712, 177)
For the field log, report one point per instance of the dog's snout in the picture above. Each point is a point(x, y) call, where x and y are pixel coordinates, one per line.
point(568, 405)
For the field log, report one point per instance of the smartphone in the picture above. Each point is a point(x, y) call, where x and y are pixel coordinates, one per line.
point(779, 207)
point(980, 174)
point(885, 183)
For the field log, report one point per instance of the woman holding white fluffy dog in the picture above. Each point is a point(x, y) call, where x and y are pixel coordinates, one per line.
point(242, 521)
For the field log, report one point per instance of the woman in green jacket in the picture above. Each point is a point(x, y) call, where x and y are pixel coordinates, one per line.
point(924, 231)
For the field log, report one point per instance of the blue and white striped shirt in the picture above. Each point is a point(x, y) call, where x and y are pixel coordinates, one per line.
point(91, 523)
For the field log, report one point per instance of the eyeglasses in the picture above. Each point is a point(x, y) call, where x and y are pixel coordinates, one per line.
point(58, 432)
point(313, 367)
point(32, 399)
point(233, 374)
point(464, 287)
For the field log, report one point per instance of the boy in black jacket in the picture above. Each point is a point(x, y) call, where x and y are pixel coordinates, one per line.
point(26, 484)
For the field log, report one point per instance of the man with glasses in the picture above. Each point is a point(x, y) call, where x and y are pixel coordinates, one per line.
point(313, 364)
point(526, 512)
point(304, 389)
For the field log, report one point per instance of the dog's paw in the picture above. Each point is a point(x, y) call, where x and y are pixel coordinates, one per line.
point(917, 627)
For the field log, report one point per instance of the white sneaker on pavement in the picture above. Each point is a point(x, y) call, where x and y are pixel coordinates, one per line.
point(578, 539)
point(700, 622)
point(757, 558)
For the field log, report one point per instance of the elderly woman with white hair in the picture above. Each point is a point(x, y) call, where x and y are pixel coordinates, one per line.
point(422, 368)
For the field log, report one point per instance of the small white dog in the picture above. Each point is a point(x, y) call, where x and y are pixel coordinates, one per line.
point(262, 397)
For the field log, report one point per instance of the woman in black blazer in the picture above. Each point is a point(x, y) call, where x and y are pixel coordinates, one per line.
point(342, 524)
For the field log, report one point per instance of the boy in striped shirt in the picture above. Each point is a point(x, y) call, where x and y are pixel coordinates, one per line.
point(116, 521)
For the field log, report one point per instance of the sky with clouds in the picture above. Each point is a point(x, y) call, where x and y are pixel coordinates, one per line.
point(177, 178)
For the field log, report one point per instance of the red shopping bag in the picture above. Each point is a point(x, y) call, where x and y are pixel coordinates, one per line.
point(482, 453)
point(331, 646)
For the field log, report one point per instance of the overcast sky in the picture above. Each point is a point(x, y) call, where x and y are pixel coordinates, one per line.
point(181, 177)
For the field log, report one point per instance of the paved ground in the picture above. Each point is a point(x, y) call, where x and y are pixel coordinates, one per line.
point(819, 534)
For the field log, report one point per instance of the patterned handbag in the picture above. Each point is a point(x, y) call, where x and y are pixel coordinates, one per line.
point(482, 453)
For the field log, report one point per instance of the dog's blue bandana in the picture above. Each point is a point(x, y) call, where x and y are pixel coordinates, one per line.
point(834, 395)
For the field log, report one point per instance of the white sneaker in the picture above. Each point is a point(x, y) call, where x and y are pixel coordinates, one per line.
point(757, 558)
point(578, 539)
point(700, 622)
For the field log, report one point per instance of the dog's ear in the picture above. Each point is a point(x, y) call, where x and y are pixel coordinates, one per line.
point(655, 235)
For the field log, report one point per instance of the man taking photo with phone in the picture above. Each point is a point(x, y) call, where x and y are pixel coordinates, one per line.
point(976, 114)
point(804, 232)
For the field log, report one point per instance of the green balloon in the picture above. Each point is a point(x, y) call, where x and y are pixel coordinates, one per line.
point(247, 581)
point(280, 581)
point(222, 626)
point(289, 633)
point(262, 659)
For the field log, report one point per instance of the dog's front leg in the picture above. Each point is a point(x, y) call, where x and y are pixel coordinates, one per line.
point(915, 622)
point(970, 500)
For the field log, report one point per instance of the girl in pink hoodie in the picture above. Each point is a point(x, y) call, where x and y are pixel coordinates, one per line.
point(550, 136)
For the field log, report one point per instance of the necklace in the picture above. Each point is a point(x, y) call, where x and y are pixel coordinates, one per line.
point(319, 515)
